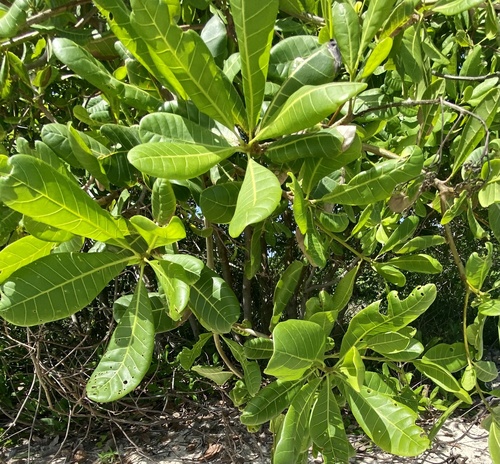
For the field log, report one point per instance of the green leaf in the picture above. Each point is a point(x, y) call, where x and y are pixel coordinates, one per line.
point(258, 348)
point(424, 264)
point(298, 345)
point(299, 204)
point(213, 302)
point(347, 32)
point(190, 60)
point(176, 274)
point(486, 371)
point(494, 441)
point(454, 7)
point(319, 67)
point(490, 191)
point(344, 289)
point(218, 202)
point(453, 357)
point(285, 288)
point(400, 313)
point(378, 183)
point(57, 138)
point(327, 428)
point(377, 56)
point(389, 342)
point(478, 267)
point(353, 368)
point(251, 369)
point(308, 106)
point(441, 377)
point(45, 232)
point(177, 160)
point(129, 353)
point(391, 425)
point(325, 143)
point(377, 13)
point(259, 196)
point(494, 219)
point(270, 402)
point(163, 201)
point(490, 308)
point(390, 273)
point(14, 19)
point(254, 24)
point(402, 233)
point(9, 220)
point(420, 243)
point(188, 356)
point(86, 66)
point(170, 127)
point(294, 436)
point(474, 131)
point(57, 286)
point(37, 190)
point(215, 374)
point(21, 253)
point(156, 236)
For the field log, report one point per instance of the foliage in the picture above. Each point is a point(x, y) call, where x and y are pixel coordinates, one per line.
point(232, 177)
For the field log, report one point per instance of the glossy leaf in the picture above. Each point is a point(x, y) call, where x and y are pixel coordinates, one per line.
point(389, 343)
point(454, 7)
point(494, 441)
point(320, 67)
point(21, 253)
point(443, 378)
point(420, 243)
point(37, 190)
point(308, 106)
point(156, 236)
point(377, 57)
point(129, 353)
point(213, 302)
point(177, 160)
point(298, 345)
point(486, 371)
point(353, 369)
point(378, 182)
point(163, 201)
point(216, 374)
point(57, 286)
point(391, 425)
point(424, 264)
point(188, 356)
point(270, 402)
point(326, 426)
point(218, 202)
point(258, 348)
point(347, 32)
point(254, 24)
point(344, 289)
point(299, 204)
point(390, 273)
point(478, 267)
point(14, 19)
point(190, 61)
point(293, 439)
point(452, 357)
point(285, 288)
point(9, 219)
point(400, 313)
point(259, 196)
point(325, 143)
point(251, 369)
point(401, 234)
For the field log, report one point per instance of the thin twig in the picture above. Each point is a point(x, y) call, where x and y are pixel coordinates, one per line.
point(224, 357)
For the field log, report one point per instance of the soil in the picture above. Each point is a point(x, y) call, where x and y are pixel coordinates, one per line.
point(214, 434)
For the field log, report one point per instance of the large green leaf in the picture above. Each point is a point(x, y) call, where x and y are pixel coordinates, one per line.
point(294, 437)
point(325, 143)
point(420, 243)
point(14, 19)
point(400, 313)
point(424, 264)
point(494, 441)
point(169, 127)
point(377, 183)
point(308, 106)
point(259, 196)
point(269, 402)
point(218, 202)
point(391, 425)
point(118, 16)
point(478, 267)
point(37, 190)
point(327, 428)
point(402, 233)
point(190, 60)
point(177, 160)
point(347, 32)
point(9, 219)
point(258, 348)
point(213, 302)
point(57, 286)
point(298, 345)
point(285, 288)
point(57, 138)
point(320, 67)
point(163, 201)
point(440, 376)
point(129, 353)
point(377, 13)
point(86, 66)
point(254, 23)
point(156, 236)
point(20, 253)
point(454, 7)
